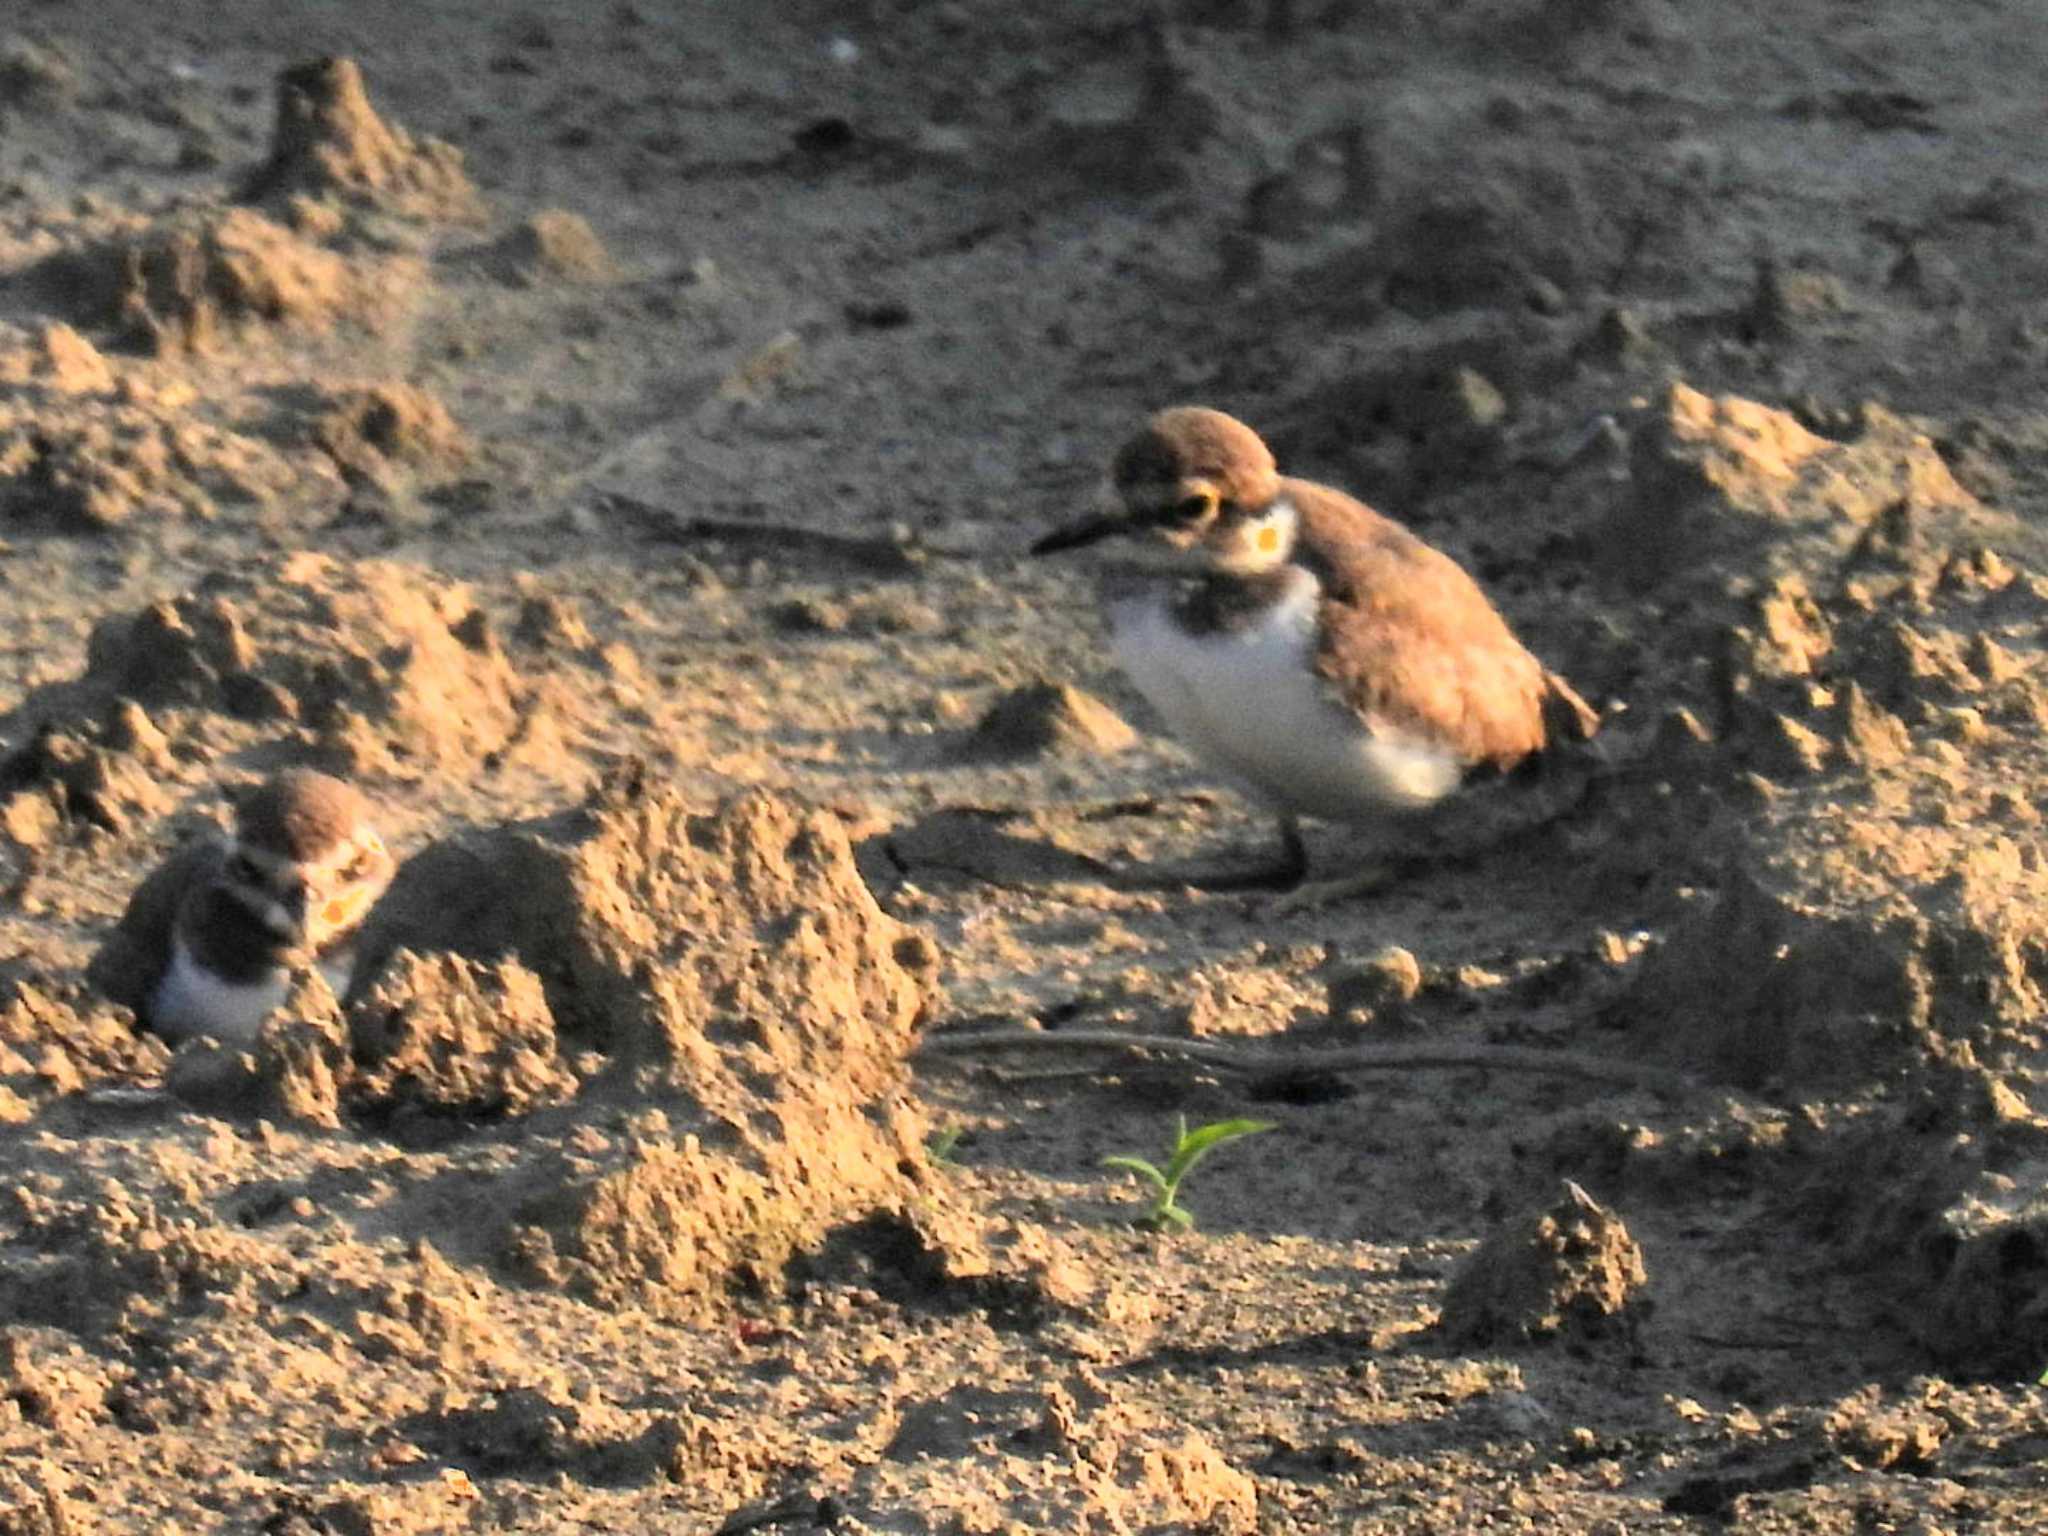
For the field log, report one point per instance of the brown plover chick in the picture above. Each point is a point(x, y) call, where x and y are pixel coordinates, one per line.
point(210, 939)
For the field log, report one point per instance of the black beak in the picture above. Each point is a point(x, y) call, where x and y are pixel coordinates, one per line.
point(1094, 529)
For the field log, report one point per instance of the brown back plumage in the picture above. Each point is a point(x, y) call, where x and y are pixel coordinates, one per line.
point(1410, 642)
point(299, 814)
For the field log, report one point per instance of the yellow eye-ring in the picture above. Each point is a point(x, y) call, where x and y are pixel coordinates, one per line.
point(1269, 540)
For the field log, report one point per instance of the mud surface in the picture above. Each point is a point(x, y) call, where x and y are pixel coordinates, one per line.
point(610, 434)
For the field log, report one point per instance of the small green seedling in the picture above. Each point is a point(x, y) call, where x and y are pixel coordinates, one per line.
point(939, 1146)
point(1189, 1148)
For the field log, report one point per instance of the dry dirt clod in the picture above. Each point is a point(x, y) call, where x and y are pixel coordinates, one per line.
point(302, 1056)
point(391, 431)
point(552, 245)
point(58, 359)
point(1047, 718)
point(450, 1036)
point(1376, 990)
point(1908, 1436)
point(1569, 1269)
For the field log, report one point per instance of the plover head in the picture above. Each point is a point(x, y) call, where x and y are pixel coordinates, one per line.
point(305, 863)
point(1195, 491)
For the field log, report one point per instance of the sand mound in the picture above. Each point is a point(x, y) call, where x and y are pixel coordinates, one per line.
point(1760, 987)
point(1125, 122)
point(1569, 1269)
point(1412, 427)
point(293, 1073)
point(56, 1039)
point(378, 668)
point(328, 143)
point(198, 279)
point(1865, 780)
point(742, 981)
point(70, 464)
point(95, 769)
point(1047, 718)
point(371, 669)
point(1984, 1266)
point(1481, 237)
point(302, 1058)
point(1721, 483)
point(1855, 775)
point(438, 1037)
point(612, 890)
point(1881, 896)
point(1933, 1206)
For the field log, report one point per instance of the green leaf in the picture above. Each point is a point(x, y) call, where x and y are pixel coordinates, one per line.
point(1195, 1145)
point(1139, 1166)
point(1174, 1216)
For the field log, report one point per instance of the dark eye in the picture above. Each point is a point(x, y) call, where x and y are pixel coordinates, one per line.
point(1191, 509)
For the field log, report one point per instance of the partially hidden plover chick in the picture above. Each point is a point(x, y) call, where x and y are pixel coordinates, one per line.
point(209, 941)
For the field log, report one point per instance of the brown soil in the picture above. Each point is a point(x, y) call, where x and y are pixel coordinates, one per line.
point(611, 435)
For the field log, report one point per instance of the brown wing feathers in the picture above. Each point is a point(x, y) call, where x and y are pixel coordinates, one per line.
point(1411, 641)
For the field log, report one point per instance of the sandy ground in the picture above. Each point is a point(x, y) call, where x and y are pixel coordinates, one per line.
point(617, 454)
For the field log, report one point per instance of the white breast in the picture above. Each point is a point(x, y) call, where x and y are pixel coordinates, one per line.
point(1250, 702)
point(191, 1000)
